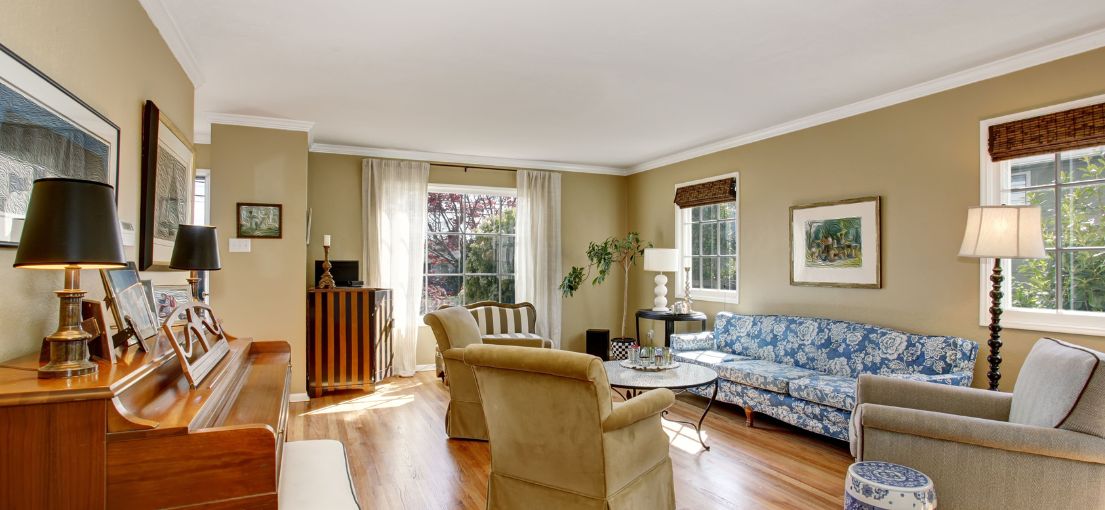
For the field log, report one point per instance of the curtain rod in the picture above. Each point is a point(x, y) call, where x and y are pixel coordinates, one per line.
point(466, 167)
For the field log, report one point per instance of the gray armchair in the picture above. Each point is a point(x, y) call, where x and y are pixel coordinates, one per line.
point(1042, 446)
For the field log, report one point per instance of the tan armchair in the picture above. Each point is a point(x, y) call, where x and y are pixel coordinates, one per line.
point(557, 441)
point(501, 323)
point(454, 328)
point(1042, 446)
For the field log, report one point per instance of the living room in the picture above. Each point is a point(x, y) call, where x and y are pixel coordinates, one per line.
point(715, 256)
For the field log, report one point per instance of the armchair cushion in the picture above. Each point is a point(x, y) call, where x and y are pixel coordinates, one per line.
point(831, 390)
point(459, 325)
point(1051, 384)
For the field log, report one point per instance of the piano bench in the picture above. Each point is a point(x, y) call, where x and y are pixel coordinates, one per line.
point(315, 474)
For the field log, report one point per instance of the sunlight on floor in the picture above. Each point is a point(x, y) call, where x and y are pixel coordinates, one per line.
point(684, 437)
point(383, 398)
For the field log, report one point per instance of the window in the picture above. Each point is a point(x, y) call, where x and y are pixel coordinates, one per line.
point(1064, 292)
point(708, 243)
point(469, 246)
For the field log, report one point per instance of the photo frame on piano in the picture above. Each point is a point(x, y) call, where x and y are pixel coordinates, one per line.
point(133, 313)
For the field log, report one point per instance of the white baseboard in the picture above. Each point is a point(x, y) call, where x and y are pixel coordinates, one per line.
point(425, 368)
point(298, 397)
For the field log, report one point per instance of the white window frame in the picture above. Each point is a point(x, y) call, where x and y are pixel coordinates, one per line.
point(994, 188)
point(683, 233)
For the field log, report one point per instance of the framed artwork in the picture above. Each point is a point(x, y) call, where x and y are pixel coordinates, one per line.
point(168, 175)
point(126, 296)
point(261, 221)
point(836, 244)
point(168, 297)
point(46, 131)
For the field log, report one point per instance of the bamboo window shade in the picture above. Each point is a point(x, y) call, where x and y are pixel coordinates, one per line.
point(1067, 130)
point(707, 193)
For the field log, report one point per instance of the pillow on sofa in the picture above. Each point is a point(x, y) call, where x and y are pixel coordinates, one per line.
point(460, 326)
point(1053, 386)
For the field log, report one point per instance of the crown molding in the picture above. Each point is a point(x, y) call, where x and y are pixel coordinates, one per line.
point(170, 33)
point(463, 159)
point(1041, 55)
point(202, 132)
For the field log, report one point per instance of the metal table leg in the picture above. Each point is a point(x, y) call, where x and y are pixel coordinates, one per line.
point(698, 426)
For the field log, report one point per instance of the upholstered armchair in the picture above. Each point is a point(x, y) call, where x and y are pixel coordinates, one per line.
point(501, 323)
point(557, 441)
point(455, 328)
point(1042, 446)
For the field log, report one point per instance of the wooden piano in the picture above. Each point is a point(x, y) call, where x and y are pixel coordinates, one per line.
point(137, 435)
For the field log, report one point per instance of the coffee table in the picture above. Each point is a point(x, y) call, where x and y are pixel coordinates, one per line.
point(678, 379)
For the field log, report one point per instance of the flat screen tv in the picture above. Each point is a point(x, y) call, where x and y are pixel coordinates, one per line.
point(345, 272)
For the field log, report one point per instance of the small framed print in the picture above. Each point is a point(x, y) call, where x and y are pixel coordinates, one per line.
point(836, 244)
point(260, 221)
point(168, 297)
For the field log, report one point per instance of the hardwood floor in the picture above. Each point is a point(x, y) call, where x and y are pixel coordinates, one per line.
point(401, 459)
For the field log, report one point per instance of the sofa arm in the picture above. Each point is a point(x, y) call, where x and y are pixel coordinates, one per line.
point(703, 341)
point(638, 408)
point(1001, 435)
point(520, 342)
point(941, 398)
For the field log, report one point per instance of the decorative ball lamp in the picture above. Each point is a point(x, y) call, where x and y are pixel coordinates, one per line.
point(72, 225)
point(661, 260)
point(1001, 232)
point(196, 249)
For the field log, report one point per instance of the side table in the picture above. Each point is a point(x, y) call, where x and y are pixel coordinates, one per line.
point(669, 319)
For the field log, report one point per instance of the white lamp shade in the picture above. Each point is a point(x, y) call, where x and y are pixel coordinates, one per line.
point(661, 259)
point(1003, 231)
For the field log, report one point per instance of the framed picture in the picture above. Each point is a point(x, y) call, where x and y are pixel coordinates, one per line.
point(46, 131)
point(168, 297)
point(263, 221)
point(836, 244)
point(167, 181)
point(126, 296)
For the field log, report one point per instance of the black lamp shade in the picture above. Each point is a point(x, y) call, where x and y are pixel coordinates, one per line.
point(196, 249)
point(70, 222)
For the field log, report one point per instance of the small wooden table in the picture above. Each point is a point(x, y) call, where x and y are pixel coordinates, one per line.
point(669, 319)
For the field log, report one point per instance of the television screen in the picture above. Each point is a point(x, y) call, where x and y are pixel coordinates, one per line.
point(345, 272)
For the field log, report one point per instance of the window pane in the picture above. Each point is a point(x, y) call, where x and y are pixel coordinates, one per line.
point(1033, 283)
point(1082, 164)
point(508, 218)
point(1045, 199)
point(727, 210)
point(480, 254)
point(506, 254)
point(709, 273)
point(696, 239)
point(696, 214)
point(443, 253)
point(729, 273)
point(441, 291)
point(1032, 171)
point(696, 273)
point(506, 288)
point(709, 238)
point(1084, 281)
point(443, 212)
point(728, 242)
point(481, 213)
point(1083, 216)
point(481, 288)
point(709, 212)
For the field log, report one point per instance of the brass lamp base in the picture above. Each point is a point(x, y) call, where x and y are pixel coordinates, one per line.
point(326, 281)
point(68, 346)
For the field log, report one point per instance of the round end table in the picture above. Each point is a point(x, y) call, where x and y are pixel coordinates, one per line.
point(886, 486)
point(678, 379)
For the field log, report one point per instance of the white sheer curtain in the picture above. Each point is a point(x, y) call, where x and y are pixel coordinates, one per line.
point(394, 219)
point(537, 254)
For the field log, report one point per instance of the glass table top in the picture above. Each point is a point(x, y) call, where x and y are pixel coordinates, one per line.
point(686, 375)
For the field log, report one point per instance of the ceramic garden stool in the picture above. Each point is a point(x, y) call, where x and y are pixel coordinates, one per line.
point(886, 486)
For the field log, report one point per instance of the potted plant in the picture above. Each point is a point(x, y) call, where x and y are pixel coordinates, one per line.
point(601, 258)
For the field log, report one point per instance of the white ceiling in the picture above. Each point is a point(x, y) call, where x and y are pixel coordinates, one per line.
point(613, 83)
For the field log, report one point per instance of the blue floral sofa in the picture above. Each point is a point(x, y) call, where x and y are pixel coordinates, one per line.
point(803, 370)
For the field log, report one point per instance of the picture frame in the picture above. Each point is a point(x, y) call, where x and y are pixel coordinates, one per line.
point(168, 297)
point(837, 244)
point(260, 221)
point(48, 132)
point(126, 297)
point(168, 177)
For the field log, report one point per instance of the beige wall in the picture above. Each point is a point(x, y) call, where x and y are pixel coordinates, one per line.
point(593, 208)
point(258, 293)
point(922, 158)
point(109, 54)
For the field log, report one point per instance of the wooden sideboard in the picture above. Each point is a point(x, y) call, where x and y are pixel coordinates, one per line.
point(136, 435)
point(348, 338)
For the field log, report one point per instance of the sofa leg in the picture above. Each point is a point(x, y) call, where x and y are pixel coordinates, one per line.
point(748, 416)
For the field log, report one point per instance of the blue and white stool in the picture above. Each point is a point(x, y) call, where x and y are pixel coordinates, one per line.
point(886, 486)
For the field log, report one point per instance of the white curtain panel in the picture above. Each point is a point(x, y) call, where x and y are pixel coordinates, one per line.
point(537, 253)
point(394, 219)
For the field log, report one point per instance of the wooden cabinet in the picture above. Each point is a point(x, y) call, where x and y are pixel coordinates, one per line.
point(348, 338)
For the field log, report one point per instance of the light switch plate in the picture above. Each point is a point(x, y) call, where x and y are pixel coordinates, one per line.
point(239, 245)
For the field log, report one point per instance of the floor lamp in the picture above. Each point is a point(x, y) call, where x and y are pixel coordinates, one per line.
point(1001, 232)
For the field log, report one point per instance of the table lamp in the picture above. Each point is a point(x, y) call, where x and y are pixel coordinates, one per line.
point(1001, 232)
point(72, 225)
point(196, 249)
point(661, 260)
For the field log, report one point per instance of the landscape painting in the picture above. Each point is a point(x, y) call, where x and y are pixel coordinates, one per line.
point(260, 221)
point(836, 244)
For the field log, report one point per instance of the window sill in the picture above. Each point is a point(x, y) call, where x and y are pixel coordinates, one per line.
point(730, 297)
point(1078, 323)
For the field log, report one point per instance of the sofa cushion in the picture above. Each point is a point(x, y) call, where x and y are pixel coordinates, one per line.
point(831, 390)
point(1051, 385)
point(762, 374)
point(532, 336)
point(707, 358)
